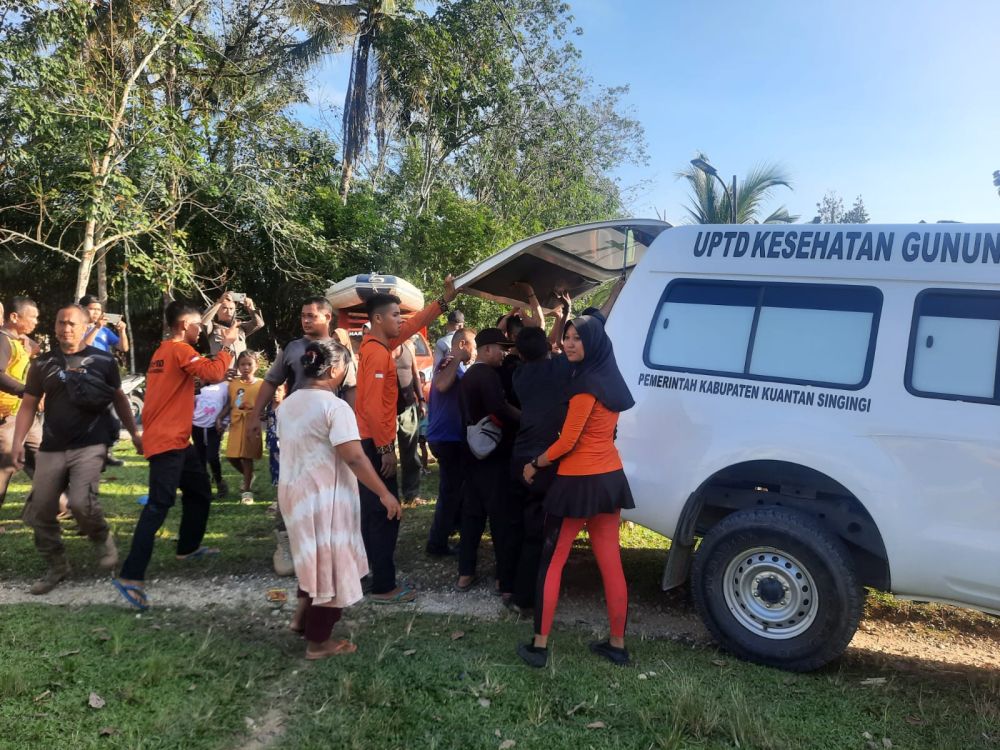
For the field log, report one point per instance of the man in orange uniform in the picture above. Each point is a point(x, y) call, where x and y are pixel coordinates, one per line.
point(376, 413)
point(173, 461)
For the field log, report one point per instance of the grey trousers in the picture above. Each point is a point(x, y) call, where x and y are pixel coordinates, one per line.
point(78, 472)
point(408, 440)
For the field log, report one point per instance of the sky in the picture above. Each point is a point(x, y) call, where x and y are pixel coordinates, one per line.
point(895, 101)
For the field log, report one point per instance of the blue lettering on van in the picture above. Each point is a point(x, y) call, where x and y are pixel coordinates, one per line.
point(927, 247)
point(774, 394)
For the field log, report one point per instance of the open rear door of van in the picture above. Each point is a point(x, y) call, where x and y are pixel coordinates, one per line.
point(574, 259)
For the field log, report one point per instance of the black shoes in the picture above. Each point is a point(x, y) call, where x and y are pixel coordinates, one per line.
point(613, 654)
point(533, 656)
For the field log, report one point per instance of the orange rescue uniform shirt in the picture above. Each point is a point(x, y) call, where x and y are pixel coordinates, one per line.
point(586, 445)
point(168, 410)
point(378, 389)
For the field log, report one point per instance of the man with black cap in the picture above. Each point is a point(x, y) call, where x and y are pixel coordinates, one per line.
point(442, 349)
point(485, 406)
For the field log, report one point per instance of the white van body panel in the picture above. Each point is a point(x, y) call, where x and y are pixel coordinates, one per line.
point(926, 469)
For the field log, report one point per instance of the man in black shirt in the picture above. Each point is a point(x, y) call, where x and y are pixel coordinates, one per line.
point(540, 384)
point(482, 395)
point(79, 383)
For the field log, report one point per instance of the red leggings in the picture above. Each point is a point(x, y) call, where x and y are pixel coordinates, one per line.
point(559, 536)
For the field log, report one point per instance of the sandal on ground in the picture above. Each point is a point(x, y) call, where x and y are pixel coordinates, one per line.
point(335, 648)
point(468, 586)
point(613, 654)
point(403, 596)
point(200, 552)
point(532, 655)
point(134, 595)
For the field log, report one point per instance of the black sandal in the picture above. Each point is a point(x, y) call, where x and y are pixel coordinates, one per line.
point(533, 656)
point(613, 654)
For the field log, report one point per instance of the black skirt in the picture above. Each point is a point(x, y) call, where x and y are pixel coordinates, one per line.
point(588, 495)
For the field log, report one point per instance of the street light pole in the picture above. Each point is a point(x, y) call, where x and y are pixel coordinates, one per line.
point(704, 166)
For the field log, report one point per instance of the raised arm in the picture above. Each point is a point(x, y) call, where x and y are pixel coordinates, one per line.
point(537, 319)
point(425, 316)
point(252, 326)
point(559, 327)
point(446, 375)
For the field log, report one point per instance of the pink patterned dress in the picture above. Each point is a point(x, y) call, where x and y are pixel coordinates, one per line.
point(318, 496)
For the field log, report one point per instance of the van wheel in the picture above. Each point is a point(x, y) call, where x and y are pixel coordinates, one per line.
point(776, 587)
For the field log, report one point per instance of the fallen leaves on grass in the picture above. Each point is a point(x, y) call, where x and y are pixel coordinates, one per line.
point(95, 701)
point(507, 744)
point(485, 702)
point(457, 634)
point(409, 652)
point(597, 725)
point(106, 731)
point(916, 721)
point(43, 696)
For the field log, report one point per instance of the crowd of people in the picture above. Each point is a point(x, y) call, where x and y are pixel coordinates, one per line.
point(520, 420)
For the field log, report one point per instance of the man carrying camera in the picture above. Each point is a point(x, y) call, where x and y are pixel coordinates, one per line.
point(100, 334)
point(222, 315)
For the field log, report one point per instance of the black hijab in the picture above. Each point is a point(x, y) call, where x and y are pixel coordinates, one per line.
point(598, 373)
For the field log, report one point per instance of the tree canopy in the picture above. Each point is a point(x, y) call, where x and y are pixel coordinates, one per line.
point(162, 139)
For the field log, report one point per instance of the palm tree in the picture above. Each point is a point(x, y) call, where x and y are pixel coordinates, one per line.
point(334, 23)
point(711, 205)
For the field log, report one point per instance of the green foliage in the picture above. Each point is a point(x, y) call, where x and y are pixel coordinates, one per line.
point(831, 210)
point(712, 204)
point(167, 145)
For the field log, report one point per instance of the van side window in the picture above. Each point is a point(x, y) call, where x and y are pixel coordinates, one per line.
point(818, 334)
point(954, 345)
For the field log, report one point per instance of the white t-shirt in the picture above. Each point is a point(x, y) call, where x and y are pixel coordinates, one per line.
point(208, 403)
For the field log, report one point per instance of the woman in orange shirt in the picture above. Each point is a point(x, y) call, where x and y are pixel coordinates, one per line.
point(590, 489)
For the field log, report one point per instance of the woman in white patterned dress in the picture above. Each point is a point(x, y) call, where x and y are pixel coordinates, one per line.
point(321, 463)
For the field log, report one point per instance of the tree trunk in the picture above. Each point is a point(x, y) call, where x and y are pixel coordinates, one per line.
point(86, 259)
point(128, 317)
point(102, 279)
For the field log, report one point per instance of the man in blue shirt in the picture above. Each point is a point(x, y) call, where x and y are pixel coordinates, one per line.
point(99, 335)
point(446, 436)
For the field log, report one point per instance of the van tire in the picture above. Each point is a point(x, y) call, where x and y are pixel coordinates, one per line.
point(803, 550)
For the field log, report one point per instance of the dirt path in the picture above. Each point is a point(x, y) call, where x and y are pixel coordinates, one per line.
point(938, 638)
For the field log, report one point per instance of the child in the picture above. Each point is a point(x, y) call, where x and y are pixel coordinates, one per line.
point(241, 449)
point(273, 447)
point(425, 391)
point(209, 402)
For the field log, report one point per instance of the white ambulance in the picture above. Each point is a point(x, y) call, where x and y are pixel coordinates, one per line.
point(817, 410)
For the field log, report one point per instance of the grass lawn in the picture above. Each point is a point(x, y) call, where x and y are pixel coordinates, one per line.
point(245, 535)
point(192, 680)
point(197, 679)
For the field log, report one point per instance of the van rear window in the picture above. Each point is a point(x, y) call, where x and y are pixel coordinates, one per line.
point(813, 334)
point(954, 346)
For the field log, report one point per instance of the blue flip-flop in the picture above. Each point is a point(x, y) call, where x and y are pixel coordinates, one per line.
point(405, 595)
point(200, 552)
point(134, 595)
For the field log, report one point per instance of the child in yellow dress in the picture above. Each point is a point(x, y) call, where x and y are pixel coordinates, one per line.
point(242, 450)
